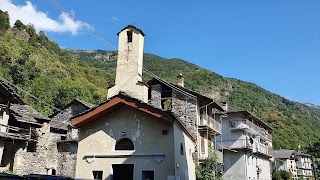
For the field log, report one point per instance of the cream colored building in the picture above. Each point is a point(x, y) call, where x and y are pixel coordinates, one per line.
point(304, 166)
point(246, 142)
point(286, 160)
point(126, 138)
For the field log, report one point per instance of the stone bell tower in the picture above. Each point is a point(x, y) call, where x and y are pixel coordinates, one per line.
point(129, 64)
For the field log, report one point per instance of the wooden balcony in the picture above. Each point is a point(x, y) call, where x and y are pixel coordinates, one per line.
point(246, 145)
point(250, 127)
point(12, 132)
point(207, 123)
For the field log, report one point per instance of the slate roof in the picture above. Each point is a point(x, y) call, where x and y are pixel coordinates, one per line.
point(25, 113)
point(74, 101)
point(283, 154)
point(302, 154)
point(131, 26)
point(10, 94)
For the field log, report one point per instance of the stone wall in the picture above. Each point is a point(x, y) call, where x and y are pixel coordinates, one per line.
point(155, 100)
point(186, 109)
point(69, 112)
point(67, 159)
point(46, 156)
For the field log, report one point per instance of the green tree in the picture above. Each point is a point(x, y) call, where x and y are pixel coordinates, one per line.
point(209, 168)
point(18, 24)
point(4, 22)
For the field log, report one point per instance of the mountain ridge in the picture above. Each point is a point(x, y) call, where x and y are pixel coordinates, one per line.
point(57, 76)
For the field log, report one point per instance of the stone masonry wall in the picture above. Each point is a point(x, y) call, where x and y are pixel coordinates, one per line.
point(46, 156)
point(67, 160)
point(155, 100)
point(70, 112)
point(186, 109)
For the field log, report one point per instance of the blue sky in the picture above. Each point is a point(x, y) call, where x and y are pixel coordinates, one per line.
point(274, 44)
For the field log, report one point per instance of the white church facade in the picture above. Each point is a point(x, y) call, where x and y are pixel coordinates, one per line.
point(127, 138)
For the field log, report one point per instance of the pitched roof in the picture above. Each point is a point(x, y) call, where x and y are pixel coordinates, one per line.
point(74, 101)
point(129, 27)
point(283, 154)
point(155, 80)
point(61, 120)
point(25, 113)
point(10, 94)
point(121, 100)
point(302, 154)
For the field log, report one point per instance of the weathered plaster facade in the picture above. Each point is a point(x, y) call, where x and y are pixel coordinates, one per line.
point(129, 64)
point(246, 152)
point(153, 150)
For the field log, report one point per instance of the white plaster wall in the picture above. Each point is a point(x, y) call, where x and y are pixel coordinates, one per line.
point(145, 131)
point(226, 133)
point(129, 66)
point(4, 120)
point(184, 164)
point(234, 165)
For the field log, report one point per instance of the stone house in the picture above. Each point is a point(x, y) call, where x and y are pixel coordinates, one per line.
point(31, 143)
point(196, 111)
point(246, 142)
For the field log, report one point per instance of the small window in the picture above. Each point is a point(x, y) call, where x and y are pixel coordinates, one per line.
point(147, 175)
point(97, 174)
point(181, 149)
point(124, 144)
point(129, 35)
point(32, 146)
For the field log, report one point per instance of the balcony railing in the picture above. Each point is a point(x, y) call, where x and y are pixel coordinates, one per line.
point(302, 172)
point(206, 120)
point(246, 124)
point(17, 133)
point(245, 144)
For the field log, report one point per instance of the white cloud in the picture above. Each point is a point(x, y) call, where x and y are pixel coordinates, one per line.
point(115, 19)
point(28, 14)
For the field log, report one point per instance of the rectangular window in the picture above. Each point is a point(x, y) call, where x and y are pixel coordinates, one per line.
point(147, 175)
point(202, 146)
point(129, 35)
point(97, 174)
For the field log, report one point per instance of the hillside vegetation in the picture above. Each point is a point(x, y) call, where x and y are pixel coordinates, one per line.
point(33, 62)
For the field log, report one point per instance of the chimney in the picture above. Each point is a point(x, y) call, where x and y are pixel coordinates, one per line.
point(180, 80)
point(225, 106)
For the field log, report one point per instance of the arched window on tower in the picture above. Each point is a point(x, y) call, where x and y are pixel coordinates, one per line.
point(124, 144)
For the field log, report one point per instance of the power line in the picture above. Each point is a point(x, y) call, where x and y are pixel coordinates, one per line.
point(97, 36)
point(31, 95)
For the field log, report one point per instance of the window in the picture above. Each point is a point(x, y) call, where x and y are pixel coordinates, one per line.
point(97, 174)
point(202, 145)
point(32, 146)
point(147, 175)
point(129, 35)
point(124, 144)
point(181, 149)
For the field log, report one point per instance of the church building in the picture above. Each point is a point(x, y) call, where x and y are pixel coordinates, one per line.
point(128, 138)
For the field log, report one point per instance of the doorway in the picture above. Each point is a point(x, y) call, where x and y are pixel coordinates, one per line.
point(122, 171)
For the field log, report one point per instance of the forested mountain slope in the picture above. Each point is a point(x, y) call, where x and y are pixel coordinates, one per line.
point(293, 123)
point(36, 64)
